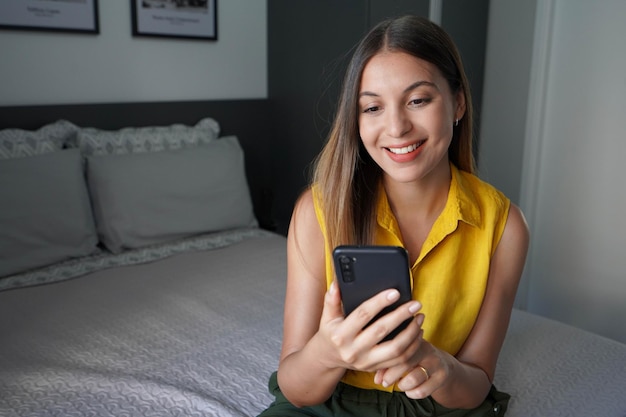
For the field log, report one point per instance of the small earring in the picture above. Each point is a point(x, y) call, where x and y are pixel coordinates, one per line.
point(456, 122)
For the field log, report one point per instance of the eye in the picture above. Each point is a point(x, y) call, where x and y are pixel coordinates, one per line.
point(418, 102)
point(371, 109)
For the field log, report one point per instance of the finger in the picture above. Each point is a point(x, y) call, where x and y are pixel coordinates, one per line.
point(378, 377)
point(392, 358)
point(393, 322)
point(411, 333)
point(402, 364)
point(417, 386)
point(332, 304)
point(369, 309)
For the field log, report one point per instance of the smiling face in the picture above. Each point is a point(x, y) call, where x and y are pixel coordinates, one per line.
point(406, 116)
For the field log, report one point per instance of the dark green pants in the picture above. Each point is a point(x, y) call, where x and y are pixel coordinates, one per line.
point(351, 401)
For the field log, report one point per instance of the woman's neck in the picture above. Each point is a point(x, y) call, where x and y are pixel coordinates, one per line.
point(416, 206)
point(423, 198)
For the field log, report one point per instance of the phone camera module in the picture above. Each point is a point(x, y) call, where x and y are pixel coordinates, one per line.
point(346, 269)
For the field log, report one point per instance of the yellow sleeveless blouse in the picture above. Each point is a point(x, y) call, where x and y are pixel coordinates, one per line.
point(450, 274)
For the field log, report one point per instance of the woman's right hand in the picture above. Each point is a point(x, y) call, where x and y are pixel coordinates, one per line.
point(346, 344)
point(319, 344)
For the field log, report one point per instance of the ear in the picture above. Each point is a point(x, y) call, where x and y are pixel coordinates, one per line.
point(460, 105)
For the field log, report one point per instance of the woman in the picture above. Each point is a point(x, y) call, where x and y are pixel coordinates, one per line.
point(398, 170)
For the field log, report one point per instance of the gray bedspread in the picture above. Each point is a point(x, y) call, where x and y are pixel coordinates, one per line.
point(552, 370)
point(198, 334)
point(195, 334)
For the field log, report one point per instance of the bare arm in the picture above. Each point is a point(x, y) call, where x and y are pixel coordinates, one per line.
point(302, 376)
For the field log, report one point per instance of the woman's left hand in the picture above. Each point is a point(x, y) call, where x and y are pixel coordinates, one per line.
point(421, 380)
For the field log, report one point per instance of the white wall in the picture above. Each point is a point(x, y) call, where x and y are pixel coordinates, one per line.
point(578, 259)
point(59, 68)
point(574, 146)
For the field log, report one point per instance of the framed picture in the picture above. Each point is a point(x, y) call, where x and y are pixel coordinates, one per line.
point(50, 15)
point(192, 19)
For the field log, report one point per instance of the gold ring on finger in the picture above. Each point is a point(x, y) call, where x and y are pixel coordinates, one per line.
point(426, 374)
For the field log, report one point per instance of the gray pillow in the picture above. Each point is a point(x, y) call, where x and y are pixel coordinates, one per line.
point(45, 215)
point(147, 198)
point(92, 141)
point(18, 143)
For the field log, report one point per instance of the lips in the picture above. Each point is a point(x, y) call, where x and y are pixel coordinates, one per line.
point(406, 149)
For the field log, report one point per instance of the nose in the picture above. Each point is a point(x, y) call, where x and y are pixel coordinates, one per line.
point(398, 123)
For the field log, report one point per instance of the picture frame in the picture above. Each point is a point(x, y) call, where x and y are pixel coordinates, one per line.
point(190, 19)
point(50, 15)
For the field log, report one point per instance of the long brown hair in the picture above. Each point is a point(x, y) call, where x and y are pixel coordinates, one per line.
point(346, 177)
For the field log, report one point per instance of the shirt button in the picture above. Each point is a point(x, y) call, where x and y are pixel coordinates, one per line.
point(496, 409)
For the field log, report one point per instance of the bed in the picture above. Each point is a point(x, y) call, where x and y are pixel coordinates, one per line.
point(137, 316)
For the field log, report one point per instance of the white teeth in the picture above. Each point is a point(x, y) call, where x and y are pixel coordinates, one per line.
point(405, 150)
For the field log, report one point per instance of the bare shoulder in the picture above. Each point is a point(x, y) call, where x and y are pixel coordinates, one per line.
point(304, 205)
point(510, 256)
point(305, 242)
point(516, 233)
point(304, 227)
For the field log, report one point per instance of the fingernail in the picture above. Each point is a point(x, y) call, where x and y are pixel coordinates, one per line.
point(385, 384)
point(393, 295)
point(333, 288)
point(414, 307)
point(377, 378)
point(420, 320)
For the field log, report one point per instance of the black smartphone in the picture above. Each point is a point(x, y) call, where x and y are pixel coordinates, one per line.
point(364, 271)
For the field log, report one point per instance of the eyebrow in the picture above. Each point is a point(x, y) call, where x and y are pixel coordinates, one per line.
point(406, 90)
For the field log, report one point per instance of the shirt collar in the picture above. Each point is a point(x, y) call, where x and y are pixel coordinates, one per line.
point(460, 206)
point(462, 197)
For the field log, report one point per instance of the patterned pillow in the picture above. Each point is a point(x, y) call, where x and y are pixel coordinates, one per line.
point(18, 143)
point(92, 141)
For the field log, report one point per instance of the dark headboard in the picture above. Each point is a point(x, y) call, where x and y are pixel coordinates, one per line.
point(248, 119)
